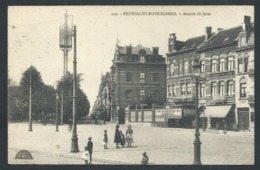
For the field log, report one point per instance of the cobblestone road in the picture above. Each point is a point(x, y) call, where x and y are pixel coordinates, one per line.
point(163, 145)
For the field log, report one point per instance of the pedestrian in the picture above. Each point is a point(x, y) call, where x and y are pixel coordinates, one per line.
point(70, 124)
point(117, 138)
point(122, 138)
point(105, 140)
point(89, 147)
point(129, 136)
point(145, 159)
point(85, 156)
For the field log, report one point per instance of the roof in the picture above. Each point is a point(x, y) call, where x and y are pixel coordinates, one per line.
point(192, 43)
point(135, 50)
point(223, 37)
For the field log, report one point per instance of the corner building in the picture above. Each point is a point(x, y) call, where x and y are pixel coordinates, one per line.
point(138, 75)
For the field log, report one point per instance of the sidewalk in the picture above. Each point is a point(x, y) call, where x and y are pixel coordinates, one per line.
point(214, 131)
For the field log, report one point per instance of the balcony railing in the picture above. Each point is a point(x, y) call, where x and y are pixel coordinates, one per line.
point(216, 99)
point(184, 98)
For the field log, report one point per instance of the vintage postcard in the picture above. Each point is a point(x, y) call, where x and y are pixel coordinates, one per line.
point(143, 85)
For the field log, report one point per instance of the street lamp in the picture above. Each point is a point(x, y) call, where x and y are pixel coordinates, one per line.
point(30, 102)
point(57, 100)
point(196, 67)
point(74, 138)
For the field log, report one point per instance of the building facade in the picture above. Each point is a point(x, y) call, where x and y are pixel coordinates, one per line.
point(137, 78)
point(222, 87)
point(245, 77)
point(180, 81)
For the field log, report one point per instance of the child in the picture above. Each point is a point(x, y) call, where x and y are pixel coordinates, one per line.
point(85, 156)
point(122, 138)
point(105, 140)
point(145, 159)
point(129, 136)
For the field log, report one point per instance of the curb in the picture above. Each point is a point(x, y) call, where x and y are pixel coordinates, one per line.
point(78, 157)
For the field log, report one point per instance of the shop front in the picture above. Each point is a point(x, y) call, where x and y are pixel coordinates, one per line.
point(219, 117)
point(174, 117)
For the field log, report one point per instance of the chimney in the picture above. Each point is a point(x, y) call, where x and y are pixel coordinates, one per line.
point(208, 33)
point(129, 50)
point(172, 45)
point(247, 23)
point(155, 51)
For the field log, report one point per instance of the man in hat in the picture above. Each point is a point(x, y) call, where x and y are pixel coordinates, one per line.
point(145, 159)
point(90, 149)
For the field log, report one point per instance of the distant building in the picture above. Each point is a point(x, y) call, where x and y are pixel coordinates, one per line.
point(137, 78)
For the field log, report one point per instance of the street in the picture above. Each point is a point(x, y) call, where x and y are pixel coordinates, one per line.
point(163, 145)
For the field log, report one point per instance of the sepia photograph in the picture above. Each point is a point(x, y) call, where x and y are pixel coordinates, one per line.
point(131, 85)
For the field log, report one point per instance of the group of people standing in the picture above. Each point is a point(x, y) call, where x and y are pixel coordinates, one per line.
point(119, 138)
point(122, 139)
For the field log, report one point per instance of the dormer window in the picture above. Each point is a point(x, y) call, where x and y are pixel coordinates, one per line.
point(142, 59)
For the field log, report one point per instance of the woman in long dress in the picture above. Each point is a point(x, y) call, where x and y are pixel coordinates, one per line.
point(129, 136)
point(117, 138)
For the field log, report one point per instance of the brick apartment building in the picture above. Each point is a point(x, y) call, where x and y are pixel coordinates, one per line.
point(137, 78)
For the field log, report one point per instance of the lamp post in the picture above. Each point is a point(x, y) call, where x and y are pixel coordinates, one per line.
point(204, 127)
point(57, 99)
point(196, 67)
point(30, 102)
point(74, 139)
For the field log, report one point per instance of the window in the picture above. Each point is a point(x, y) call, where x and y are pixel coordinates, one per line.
point(242, 88)
point(179, 68)
point(128, 77)
point(171, 69)
point(169, 91)
point(214, 66)
point(128, 94)
point(142, 59)
point(230, 87)
point(231, 63)
point(186, 67)
point(155, 77)
point(173, 91)
point(202, 90)
point(213, 89)
point(242, 41)
point(190, 66)
point(183, 89)
point(142, 78)
point(142, 95)
point(222, 64)
point(189, 87)
point(242, 65)
point(221, 88)
point(202, 68)
point(245, 64)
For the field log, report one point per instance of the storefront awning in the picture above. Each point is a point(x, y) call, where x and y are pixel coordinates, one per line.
point(217, 111)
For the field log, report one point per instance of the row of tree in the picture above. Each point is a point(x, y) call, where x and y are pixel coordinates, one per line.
point(44, 97)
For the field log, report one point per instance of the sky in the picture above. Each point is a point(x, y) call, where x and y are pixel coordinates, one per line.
point(33, 35)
